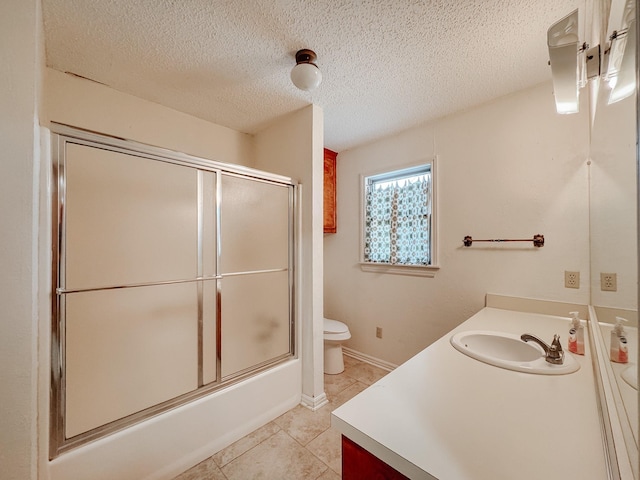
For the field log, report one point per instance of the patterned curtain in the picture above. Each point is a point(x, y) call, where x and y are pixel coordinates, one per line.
point(398, 221)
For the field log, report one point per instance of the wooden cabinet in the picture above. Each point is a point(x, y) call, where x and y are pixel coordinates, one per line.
point(330, 206)
point(359, 464)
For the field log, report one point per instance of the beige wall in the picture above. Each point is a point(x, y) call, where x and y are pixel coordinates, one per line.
point(20, 67)
point(92, 106)
point(511, 168)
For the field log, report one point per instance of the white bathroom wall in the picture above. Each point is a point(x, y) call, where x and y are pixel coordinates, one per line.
point(81, 103)
point(511, 168)
point(293, 146)
point(169, 443)
point(21, 47)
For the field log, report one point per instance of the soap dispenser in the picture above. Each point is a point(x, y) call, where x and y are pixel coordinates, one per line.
point(618, 349)
point(576, 335)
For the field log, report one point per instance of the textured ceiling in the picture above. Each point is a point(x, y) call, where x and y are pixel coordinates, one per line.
point(387, 64)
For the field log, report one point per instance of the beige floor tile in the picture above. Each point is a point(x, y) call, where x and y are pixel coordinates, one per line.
point(245, 444)
point(346, 394)
point(279, 457)
point(334, 384)
point(328, 447)
point(329, 475)
point(365, 373)
point(350, 360)
point(303, 424)
point(206, 470)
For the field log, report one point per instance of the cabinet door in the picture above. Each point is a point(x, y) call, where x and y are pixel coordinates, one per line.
point(330, 204)
point(358, 463)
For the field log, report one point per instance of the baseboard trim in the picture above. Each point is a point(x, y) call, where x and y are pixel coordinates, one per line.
point(376, 362)
point(314, 403)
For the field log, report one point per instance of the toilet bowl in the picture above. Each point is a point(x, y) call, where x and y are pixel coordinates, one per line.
point(334, 334)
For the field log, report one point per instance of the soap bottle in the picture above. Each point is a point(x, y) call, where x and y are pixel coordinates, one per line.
point(618, 350)
point(576, 335)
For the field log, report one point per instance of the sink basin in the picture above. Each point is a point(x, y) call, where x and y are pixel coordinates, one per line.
point(506, 350)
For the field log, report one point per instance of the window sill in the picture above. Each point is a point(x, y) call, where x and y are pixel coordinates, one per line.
point(414, 270)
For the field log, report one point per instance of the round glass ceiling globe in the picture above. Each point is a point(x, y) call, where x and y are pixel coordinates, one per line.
point(306, 76)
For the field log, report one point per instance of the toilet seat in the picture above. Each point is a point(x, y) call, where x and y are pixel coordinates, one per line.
point(335, 331)
point(334, 326)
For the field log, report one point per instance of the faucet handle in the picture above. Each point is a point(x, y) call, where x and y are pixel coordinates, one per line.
point(556, 354)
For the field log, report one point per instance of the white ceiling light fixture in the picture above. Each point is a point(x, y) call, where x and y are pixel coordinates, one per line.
point(563, 43)
point(306, 75)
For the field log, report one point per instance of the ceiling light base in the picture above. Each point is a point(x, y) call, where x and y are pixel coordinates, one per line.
point(305, 56)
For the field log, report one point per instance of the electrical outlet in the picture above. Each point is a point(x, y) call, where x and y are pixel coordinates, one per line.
point(379, 332)
point(608, 282)
point(571, 279)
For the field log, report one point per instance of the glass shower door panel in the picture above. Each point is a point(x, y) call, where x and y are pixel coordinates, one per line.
point(254, 225)
point(255, 320)
point(128, 219)
point(126, 350)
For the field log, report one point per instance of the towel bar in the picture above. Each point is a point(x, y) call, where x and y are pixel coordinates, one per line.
point(538, 240)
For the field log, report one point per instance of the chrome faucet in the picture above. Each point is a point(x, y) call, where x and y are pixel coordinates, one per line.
point(553, 353)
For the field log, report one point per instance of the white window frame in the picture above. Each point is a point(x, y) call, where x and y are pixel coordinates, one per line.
point(415, 270)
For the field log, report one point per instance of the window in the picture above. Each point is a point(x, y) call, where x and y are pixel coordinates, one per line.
point(398, 219)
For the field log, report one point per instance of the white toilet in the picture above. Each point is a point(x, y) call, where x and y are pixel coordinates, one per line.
point(335, 333)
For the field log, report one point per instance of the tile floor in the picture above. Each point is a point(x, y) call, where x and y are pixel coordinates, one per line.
point(299, 445)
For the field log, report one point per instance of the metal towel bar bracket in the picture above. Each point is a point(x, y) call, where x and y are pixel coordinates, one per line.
point(538, 240)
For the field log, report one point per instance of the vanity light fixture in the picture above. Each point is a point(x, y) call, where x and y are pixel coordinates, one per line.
point(566, 58)
point(621, 69)
point(306, 75)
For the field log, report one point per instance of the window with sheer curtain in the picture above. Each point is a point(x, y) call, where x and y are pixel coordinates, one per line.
point(398, 217)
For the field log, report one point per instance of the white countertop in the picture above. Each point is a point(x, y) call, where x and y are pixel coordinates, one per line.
point(443, 415)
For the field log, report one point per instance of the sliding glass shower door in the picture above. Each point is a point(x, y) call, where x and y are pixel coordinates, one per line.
point(173, 277)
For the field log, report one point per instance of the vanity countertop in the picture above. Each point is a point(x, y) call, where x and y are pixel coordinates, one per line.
point(443, 415)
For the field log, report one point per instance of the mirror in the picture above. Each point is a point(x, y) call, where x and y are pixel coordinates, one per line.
point(613, 216)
